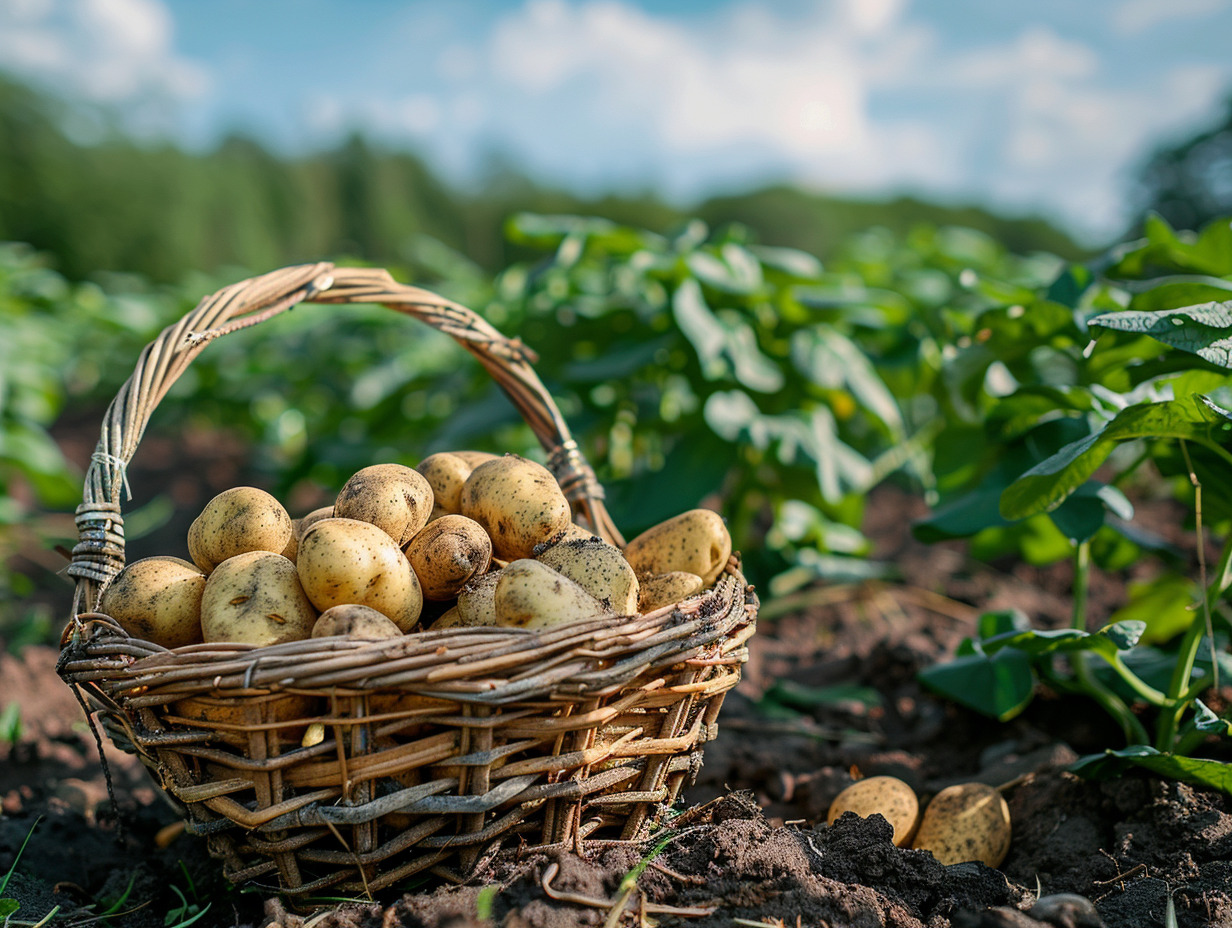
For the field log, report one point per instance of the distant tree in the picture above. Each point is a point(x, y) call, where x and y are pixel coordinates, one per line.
point(1190, 183)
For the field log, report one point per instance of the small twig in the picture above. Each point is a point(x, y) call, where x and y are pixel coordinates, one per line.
point(683, 877)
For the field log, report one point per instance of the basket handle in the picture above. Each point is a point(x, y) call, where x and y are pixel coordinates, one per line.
point(99, 555)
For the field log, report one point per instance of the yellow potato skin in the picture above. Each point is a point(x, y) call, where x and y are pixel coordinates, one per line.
point(447, 554)
point(532, 595)
point(299, 526)
point(518, 503)
point(157, 599)
point(970, 821)
point(696, 541)
point(395, 498)
point(344, 561)
point(598, 568)
point(354, 621)
point(237, 521)
point(445, 473)
point(667, 589)
point(196, 550)
point(256, 598)
point(888, 796)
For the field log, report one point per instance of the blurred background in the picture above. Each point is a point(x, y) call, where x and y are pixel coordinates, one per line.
point(791, 260)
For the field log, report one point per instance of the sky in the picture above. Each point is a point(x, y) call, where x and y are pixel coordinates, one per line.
point(1044, 107)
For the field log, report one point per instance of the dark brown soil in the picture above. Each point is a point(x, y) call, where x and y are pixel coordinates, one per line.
point(750, 846)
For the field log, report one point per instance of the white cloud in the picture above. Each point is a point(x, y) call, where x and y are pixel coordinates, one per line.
point(106, 51)
point(1136, 16)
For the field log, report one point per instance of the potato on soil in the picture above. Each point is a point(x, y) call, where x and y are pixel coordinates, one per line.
point(888, 796)
point(477, 600)
point(445, 473)
point(395, 498)
point(256, 598)
point(970, 821)
point(598, 568)
point(533, 595)
point(695, 541)
point(237, 521)
point(344, 561)
point(354, 621)
point(518, 503)
point(447, 554)
point(157, 599)
point(661, 590)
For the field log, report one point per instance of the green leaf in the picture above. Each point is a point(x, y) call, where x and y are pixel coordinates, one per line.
point(8, 907)
point(1204, 330)
point(1163, 605)
point(1000, 686)
point(10, 724)
point(790, 261)
point(1205, 720)
point(1046, 485)
point(1211, 773)
point(1174, 292)
point(800, 696)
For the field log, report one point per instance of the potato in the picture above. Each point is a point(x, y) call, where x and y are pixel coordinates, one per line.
point(445, 473)
point(237, 521)
point(518, 503)
point(395, 498)
point(354, 621)
point(195, 549)
point(533, 595)
point(477, 600)
point(343, 561)
point(256, 597)
point(157, 599)
point(970, 821)
point(659, 590)
point(598, 568)
point(447, 554)
point(450, 618)
point(299, 526)
point(888, 796)
point(695, 541)
point(474, 458)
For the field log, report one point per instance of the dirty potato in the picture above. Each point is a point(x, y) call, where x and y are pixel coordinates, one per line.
point(695, 541)
point(157, 599)
point(395, 498)
point(598, 568)
point(447, 554)
point(518, 503)
point(240, 520)
point(354, 621)
point(888, 796)
point(477, 600)
point(533, 595)
point(474, 458)
point(659, 590)
point(970, 821)
point(344, 561)
point(256, 598)
point(445, 473)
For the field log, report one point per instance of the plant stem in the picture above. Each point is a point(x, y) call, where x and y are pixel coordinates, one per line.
point(1079, 661)
point(1180, 690)
point(1144, 690)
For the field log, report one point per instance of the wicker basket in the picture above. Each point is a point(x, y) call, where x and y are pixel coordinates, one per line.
point(440, 747)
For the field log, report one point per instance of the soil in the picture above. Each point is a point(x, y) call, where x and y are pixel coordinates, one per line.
point(751, 845)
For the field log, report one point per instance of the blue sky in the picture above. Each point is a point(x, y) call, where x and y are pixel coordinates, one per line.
point(1046, 106)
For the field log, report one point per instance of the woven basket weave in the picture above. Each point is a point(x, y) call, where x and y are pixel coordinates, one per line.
point(440, 747)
